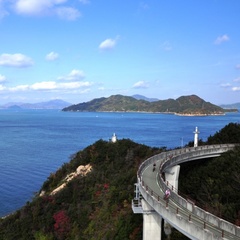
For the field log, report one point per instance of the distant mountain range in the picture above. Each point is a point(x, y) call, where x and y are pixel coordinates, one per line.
point(185, 105)
point(136, 102)
point(141, 97)
point(52, 104)
point(234, 105)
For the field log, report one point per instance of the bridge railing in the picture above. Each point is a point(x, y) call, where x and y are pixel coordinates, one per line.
point(172, 158)
point(189, 154)
point(186, 215)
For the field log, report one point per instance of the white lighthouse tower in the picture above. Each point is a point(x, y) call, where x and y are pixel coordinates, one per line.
point(114, 138)
point(196, 137)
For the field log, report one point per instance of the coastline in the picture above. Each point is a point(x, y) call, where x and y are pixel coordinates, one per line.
point(199, 114)
point(173, 113)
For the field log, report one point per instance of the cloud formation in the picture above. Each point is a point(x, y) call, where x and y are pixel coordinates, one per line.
point(225, 85)
point(47, 7)
point(72, 81)
point(236, 89)
point(15, 60)
point(2, 78)
point(221, 39)
point(67, 13)
point(107, 44)
point(141, 84)
point(49, 86)
point(52, 56)
point(74, 75)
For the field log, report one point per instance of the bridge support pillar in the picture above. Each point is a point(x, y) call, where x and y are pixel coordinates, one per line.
point(152, 223)
point(171, 177)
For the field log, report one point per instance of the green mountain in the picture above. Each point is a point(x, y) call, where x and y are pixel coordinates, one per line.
point(90, 197)
point(186, 105)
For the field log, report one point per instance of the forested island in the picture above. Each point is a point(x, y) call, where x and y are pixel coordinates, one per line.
point(90, 197)
point(186, 105)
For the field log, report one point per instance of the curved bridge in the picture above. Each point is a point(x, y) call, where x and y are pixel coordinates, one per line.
point(179, 212)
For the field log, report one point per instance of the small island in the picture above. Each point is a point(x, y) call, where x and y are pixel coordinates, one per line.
point(191, 105)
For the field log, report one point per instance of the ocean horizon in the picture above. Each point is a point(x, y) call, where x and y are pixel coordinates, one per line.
point(35, 143)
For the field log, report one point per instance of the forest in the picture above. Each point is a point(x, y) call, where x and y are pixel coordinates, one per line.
point(97, 205)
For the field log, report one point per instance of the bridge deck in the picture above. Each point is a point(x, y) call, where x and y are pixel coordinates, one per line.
point(174, 210)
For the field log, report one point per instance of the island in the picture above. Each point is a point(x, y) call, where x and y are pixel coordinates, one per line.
point(191, 105)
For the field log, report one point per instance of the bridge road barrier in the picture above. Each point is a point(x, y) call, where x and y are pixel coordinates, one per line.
point(169, 208)
point(171, 158)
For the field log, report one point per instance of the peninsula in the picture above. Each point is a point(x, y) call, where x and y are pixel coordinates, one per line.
point(191, 105)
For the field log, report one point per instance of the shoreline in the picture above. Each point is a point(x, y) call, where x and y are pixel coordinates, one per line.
point(172, 113)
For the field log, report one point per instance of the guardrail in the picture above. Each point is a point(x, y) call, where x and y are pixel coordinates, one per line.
point(181, 207)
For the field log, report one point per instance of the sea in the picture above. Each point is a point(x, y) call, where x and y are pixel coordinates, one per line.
point(35, 143)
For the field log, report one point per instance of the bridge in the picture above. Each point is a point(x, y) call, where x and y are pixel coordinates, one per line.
point(179, 212)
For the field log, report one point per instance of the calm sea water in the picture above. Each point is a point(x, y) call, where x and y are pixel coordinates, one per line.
point(34, 143)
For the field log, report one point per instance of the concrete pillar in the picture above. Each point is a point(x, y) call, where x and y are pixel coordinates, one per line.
point(151, 223)
point(171, 177)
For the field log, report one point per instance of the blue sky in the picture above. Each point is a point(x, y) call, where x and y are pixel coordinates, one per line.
point(78, 50)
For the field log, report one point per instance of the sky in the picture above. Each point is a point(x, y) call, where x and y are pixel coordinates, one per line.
point(79, 50)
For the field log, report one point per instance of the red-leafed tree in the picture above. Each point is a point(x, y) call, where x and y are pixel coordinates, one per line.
point(62, 224)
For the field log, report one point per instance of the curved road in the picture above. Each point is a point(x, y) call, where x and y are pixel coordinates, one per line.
point(181, 213)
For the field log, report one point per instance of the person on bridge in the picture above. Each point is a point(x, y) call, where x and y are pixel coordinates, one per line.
point(154, 166)
point(167, 194)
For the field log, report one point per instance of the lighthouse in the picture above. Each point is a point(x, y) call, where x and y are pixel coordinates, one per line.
point(196, 137)
point(114, 138)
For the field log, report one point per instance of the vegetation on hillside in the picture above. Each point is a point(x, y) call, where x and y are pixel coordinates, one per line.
point(95, 206)
point(182, 105)
point(215, 183)
point(98, 205)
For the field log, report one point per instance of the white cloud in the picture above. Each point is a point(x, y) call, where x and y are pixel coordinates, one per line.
point(33, 7)
point(44, 86)
point(46, 7)
point(107, 44)
point(50, 86)
point(74, 75)
point(15, 60)
point(225, 85)
point(52, 56)
point(2, 78)
point(141, 84)
point(236, 89)
point(221, 39)
point(2, 87)
point(68, 13)
point(19, 88)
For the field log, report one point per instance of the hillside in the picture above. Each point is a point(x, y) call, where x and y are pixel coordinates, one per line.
point(95, 204)
point(90, 197)
point(185, 105)
point(215, 183)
